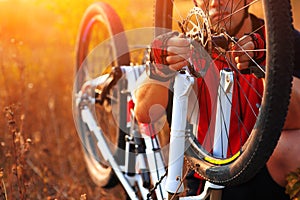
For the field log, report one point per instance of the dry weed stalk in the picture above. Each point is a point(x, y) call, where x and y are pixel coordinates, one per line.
point(20, 148)
point(3, 193)
point(293, 186)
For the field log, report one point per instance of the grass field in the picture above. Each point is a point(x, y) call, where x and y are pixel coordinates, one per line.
point(40, 154)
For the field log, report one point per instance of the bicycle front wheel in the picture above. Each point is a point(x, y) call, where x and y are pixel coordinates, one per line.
point(253, 127)
point(101, 45)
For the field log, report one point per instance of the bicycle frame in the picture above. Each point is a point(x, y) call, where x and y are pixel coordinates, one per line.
point(151, 155)
point(125, 171)
point(89, 118)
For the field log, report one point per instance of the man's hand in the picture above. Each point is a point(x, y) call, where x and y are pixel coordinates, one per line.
point(178, 52)
point(243, 51)
point(169, 53)
point(247, 48)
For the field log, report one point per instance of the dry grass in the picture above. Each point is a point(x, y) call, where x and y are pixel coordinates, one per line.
point(40, 154)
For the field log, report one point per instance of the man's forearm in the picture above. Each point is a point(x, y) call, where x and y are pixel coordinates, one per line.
point(151, 101)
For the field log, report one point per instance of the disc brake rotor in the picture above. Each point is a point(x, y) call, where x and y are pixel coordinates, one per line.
point(197, 26)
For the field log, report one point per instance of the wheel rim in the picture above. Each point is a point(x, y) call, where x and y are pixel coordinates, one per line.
point(223, 169)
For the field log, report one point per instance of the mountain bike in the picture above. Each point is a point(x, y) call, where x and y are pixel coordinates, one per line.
point(117, 148)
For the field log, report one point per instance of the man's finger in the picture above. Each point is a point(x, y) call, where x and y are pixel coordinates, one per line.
point(179, 65)
point(176, 41)
point(172, 50)
point(176, 58)
point(243, 65)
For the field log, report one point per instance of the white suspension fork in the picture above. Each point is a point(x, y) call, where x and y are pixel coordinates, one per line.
point(222, 124)
point(224, 104)
point(182, 87)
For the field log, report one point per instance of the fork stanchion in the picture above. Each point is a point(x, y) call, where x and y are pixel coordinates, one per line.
point(182, 87)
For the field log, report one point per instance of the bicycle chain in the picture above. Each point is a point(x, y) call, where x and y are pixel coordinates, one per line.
point(156, 185)
point(190, 167)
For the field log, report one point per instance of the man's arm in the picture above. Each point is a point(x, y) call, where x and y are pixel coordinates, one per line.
point(151, 100)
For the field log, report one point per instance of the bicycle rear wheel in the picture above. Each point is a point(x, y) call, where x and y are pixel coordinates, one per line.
point(101, 45)
point(257, 140)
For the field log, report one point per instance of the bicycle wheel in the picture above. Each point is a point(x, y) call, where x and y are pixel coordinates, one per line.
point(236, 163)
point(101, 45)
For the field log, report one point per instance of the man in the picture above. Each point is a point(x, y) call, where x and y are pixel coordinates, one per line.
point(152, 98)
